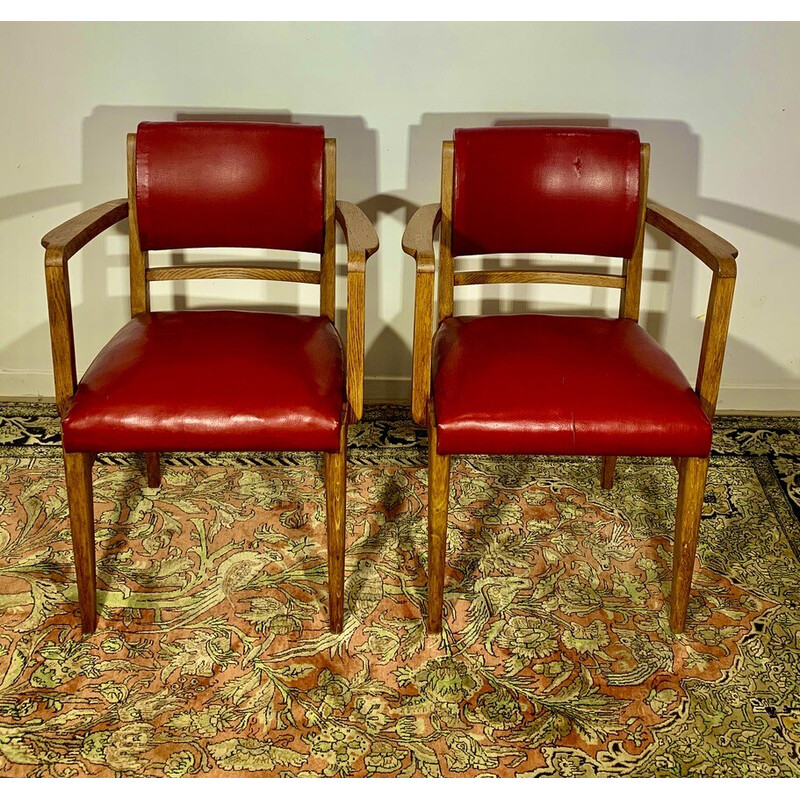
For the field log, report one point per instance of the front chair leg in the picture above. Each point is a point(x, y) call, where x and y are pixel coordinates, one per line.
point(78, 469)
point(691, 489)
point(438, 493)
point(335, 467)
point(609, 466)
point(153, 470)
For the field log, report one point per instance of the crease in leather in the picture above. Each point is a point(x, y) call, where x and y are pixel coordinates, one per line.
point(561, 386)
point(212, 380)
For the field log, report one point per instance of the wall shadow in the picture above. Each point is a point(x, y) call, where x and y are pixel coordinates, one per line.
point(670, 316)
point(99, 276)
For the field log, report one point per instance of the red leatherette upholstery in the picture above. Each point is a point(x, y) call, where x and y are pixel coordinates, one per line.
point(561, 385)
point(211, 380)
point(545, 190)
point(229, 184)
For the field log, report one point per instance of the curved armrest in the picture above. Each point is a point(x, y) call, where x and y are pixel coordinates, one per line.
point(61, 243)
point(362, 241)
point(418, 243)
point(69, 237)
point(418, 236)
point(720, 256)
point(714, 251)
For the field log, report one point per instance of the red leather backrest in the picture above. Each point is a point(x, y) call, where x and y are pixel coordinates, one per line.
point(545, 190)
point(229, 184)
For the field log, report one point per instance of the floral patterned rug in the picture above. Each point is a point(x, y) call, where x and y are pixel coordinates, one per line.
point(213, 657)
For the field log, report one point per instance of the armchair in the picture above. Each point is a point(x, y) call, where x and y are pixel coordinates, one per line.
point(547, 384)
point(215, 380)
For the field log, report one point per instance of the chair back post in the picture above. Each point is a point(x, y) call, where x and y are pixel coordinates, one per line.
point(140, 291)
point(631, 295)
point(327, 278)
point(446, 235)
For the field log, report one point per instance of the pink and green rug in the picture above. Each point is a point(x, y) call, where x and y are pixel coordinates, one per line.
point(213, 657)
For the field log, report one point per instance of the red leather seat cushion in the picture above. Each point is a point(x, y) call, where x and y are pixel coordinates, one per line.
point(211, 380)
point(561, 385)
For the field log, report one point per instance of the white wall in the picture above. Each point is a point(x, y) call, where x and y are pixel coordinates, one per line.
point(718, 102)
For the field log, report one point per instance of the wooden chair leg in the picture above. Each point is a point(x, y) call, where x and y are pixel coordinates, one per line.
point(691, 489)
point(609, 466)
point(153, 470)
point(438, 493)
point(78, 469)
point(335, 467)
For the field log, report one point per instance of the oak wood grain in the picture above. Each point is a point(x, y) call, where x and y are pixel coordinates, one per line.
point(60, 244)
point(714, 251)
point(78, 473)
point(438, 495)
point(418, 240)
point(327, 281)
point(62, 340)
point(359, 234)
point(153, 463)
point(630, 299)
point(715, 336)
point(419, 235)
point(245, 271)
point(476, 277)
point(609, 467)
point(335, 472)
point(422, 347)
point(69, 237)
point(691, 489)
point(138, 259)
point(446, 234)
point(362, 242)
point(354, 377)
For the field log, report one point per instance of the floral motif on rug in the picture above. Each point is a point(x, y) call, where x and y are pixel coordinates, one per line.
point(213, 655)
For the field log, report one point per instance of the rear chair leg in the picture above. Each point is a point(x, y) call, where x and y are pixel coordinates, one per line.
point(438, 493)
point(153, 470)
point(78, 469)
point(609, 465)
point(691, 489)
point(335, 468)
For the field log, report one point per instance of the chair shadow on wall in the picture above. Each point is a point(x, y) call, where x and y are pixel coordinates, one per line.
point(674, 181)
point(100, 283)
point(99, 276)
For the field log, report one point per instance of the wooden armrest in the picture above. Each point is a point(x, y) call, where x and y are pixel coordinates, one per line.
point(714, 251)
point(418, 243)
point(418, 236)
point(61, 243)
point(720, 256)
point(69, 237)
point(362, 241)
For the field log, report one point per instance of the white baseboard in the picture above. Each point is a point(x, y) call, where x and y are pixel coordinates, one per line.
point(26, 383)
point(753, 399)
point(388, 389)
point(733, 398)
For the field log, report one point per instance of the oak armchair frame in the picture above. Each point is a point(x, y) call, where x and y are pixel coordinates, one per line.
point(714, 251)
point(64, 241)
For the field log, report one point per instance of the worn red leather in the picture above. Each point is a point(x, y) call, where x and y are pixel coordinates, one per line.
point(212, 380)
point(561, 386)
point(229, 184)
point(545, 190)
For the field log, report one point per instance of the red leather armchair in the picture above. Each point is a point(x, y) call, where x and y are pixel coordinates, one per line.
point(545, 384)
point(215, 380)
